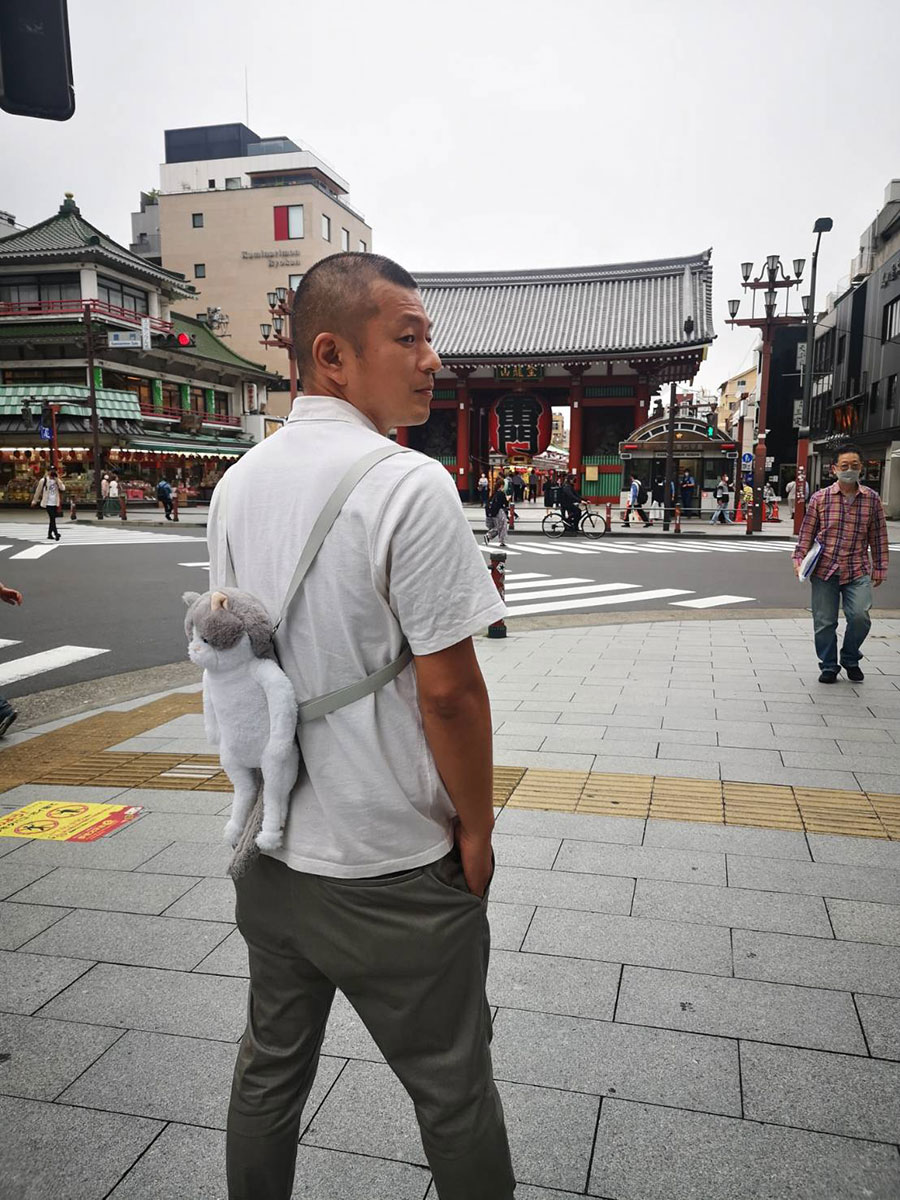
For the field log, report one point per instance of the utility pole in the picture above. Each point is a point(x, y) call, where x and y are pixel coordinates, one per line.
point(670, 459)
point(822, 225)
point(95, 421)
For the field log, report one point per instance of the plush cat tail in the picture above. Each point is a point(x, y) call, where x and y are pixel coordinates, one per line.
point(190, 597)
point(246, 851)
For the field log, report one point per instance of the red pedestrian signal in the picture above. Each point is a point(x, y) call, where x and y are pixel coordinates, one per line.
point(184, 339)
point(176, 341)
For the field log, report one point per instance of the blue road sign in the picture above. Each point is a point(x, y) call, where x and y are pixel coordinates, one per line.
point(747, 458)
point(46, 433)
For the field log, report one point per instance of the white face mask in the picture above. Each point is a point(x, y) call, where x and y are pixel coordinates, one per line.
point(849, 476)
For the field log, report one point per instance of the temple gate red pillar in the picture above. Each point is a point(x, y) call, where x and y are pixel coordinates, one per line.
point(463, 411)
point(576, 416)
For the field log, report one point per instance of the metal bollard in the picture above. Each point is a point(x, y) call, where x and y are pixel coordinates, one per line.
point(498, 574)
point(512, 515)
point(174, 503)
point(677, 528)
point(609, 515)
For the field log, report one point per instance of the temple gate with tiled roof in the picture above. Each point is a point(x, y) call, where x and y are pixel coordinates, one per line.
point(599, 340)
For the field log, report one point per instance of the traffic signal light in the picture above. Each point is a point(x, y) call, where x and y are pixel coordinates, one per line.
point(177, 341)
point(711, 425)
point(35, 59)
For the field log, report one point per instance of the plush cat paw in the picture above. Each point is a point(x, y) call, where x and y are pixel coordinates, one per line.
point(269, 839)
point(232, 833)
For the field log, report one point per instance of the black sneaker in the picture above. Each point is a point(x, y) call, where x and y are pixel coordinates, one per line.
point(854, 674)
point(828, 677)
point(7, 716)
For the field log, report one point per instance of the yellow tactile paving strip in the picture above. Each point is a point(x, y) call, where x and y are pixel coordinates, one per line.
point(78, 755)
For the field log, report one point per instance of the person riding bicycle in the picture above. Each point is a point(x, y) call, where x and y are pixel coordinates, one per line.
point(570, 502)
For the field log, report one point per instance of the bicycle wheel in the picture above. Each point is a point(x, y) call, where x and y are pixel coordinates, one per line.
point(553, 525)
point(593, 525)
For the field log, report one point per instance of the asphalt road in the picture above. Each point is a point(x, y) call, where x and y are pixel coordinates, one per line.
point(119, 593)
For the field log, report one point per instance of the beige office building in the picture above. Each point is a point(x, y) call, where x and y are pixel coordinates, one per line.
point(240, 216)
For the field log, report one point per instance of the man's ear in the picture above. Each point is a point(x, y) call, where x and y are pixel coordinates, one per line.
point(329, 355)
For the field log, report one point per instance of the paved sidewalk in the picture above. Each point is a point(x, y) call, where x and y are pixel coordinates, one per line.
point(702, 1008)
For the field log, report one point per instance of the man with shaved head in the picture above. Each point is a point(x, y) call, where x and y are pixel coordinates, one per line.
point(381, 886)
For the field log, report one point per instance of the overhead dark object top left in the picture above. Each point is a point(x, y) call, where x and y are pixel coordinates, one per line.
point(35, 59)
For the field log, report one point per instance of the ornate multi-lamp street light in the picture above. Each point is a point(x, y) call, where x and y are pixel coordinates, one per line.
point(280, 331)
point(771, 279)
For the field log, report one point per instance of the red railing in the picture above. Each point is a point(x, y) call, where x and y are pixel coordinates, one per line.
point(75, 308)
point(168, 413)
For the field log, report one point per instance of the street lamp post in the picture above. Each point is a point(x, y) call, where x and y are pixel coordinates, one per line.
point(279, 332)
point(771, 279)
point(822, 225)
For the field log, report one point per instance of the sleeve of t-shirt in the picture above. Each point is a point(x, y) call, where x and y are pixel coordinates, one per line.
point(439, 586)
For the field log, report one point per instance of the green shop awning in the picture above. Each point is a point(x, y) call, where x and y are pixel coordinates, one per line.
point(113, 405)
point(223, 449)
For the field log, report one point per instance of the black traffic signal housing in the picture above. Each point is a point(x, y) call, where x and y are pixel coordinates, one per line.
point(36, 60)
point(711, 425)
point(176, 341)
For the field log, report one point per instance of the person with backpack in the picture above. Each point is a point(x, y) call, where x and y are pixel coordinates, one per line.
point(49, 493)
point(638, 500)
point(497, 515)
point(722, 494)
point(381, 885)
point(164, 493)
point(570, 501)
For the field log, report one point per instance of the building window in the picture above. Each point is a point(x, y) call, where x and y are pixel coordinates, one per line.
point(362, 247)
point(34, 290)
point(199, 270)
point(842, 346)
point(345, 239)
point(211, 183)
point(326, 228)
point(120, 295)
point(890, 392)
point(873, 398)
point(197, 220)
point(890, 322)
point(232, 183)
point(288, 221)
point(294, 282)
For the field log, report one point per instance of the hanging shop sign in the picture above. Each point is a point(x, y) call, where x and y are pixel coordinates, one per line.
point(520, 424)
point(519, 371)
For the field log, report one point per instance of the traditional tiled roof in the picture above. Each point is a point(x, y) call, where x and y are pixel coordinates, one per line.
point(573, 312)
point(67, 234)
point(116, 405)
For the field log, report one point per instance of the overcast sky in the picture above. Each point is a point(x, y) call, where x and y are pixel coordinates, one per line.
point(506, 133)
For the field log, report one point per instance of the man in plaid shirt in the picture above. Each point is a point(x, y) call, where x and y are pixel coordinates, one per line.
point(848, 520)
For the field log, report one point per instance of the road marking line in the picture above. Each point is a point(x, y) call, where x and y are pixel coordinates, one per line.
point(597, 601)
point(526, 575)
point(8, 546)
point(537, 550)
point(574, 591)
point(47, 660)
point(611, 550)
point(34, 552)
point(4, 642)
point(505, 549)
point(712, 601)
point(545, 582)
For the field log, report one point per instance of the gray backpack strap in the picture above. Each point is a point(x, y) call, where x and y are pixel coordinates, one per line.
point(332, 701)
point(328, 516)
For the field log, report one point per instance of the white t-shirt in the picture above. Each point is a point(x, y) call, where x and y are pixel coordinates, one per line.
point(400, 561)
point(52, 493)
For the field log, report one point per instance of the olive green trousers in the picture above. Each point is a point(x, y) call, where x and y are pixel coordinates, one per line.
point(410, 952)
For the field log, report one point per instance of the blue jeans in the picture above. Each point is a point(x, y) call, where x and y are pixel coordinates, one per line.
point(827, 594)
point(721, 511)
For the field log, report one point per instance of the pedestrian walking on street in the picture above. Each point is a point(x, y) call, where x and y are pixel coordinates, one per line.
point(791, 493)
point(658, 498)
point(550, 491)
point(770, 498)
point(497, 516)
point(722, 495)
point(380, 888)
point(637, 501)
point(164, 493)
point(688, 484)
point(484, 490)
point(532, 486)
point(847, 520)
point(49, 493)
point(7, 713)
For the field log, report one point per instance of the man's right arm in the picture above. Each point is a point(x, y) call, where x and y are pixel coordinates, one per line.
point(807, 534)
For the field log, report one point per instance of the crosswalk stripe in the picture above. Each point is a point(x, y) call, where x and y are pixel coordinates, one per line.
point(8, 546)
point(505, 549)
point(536, 549)
point(46, 660)
point(712, 601)
point(34, 552)
point(4, 642)
point(596, 601)
point(605, 549)
point(526, 575)
point(544, 583)
point(588, 589)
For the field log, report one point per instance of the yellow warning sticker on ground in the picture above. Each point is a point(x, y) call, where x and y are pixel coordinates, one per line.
point(58, 821)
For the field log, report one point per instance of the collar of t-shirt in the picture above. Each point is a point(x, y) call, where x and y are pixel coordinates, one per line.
point(328, 408)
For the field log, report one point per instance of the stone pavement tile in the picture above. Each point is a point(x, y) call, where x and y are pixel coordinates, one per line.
point(870, 782)
point(740, 1008)
point(107, 854)
point(793, 714)
point(737, 908)
point(644, 1152)
point(562, 889)
point(184, 1079)
point(190, 858)
point(862, 759)
point(751, 740)
point(524, 1192)
point(20, 922)
point(688, 722)
point(682, 737)
point(817, 962)
point(175, 801)
point(29, 793)
point(131, 939)
point(551, 1134)
point(13, 877)
point(642, 862)
point(208, 900)
point(544, 759)
point(880, 1017)
point(523, 850)
point(854, 921)
point(228, 958)
point(505, 743)
point(509, 923)
point(52, 1150)
point(843, 780)
point(833, 1093)
point(27, 981)
point(814, 879)
point(174, 827)
point(584, 827)
point(612, 721)
point(551, 984)
point(114, 891)
point(677, 768)
point(345, 1034)
point(635, 940)
point(193, 1005)
point(785, 731)
point(39, 1058)
point(518, 725)
point(729, 839)
point(568, 739)
point(658, 1065)
point(8, 844)
point(727, 756)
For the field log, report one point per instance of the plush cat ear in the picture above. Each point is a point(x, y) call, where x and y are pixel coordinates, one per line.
point(190, 597)
point(218, 600)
